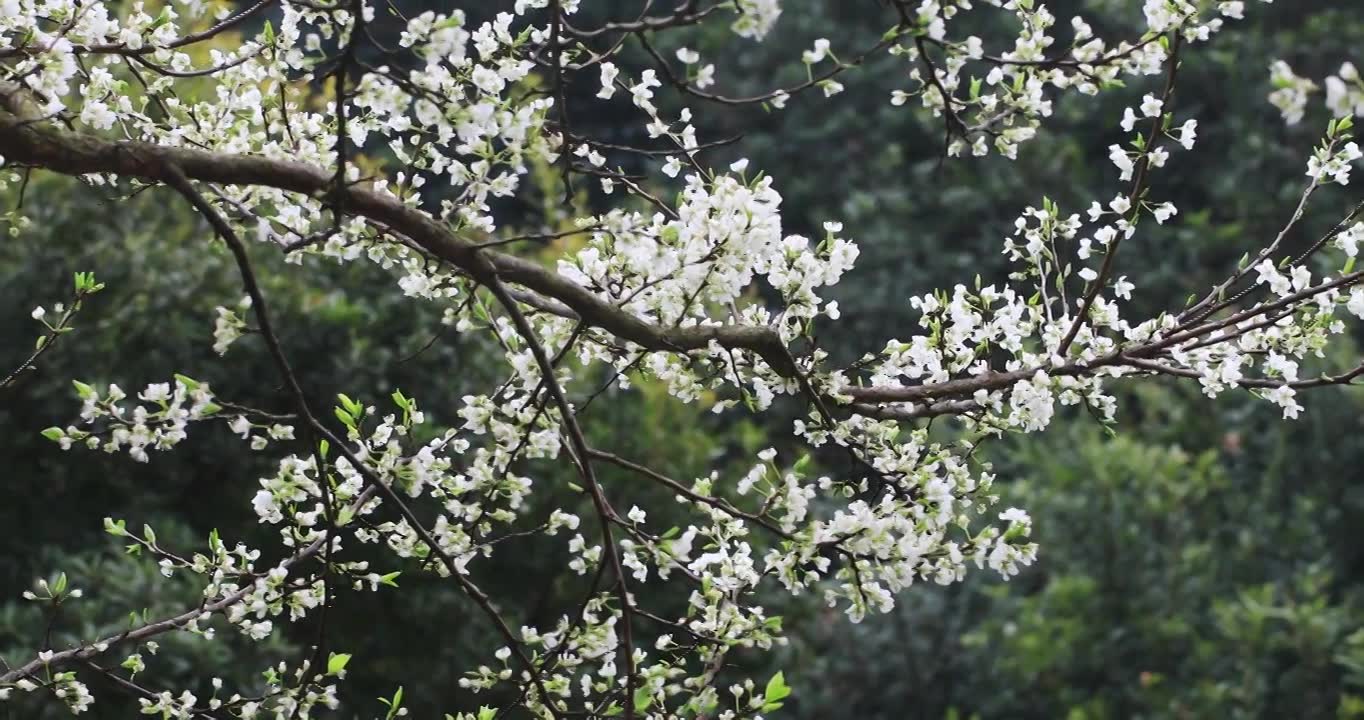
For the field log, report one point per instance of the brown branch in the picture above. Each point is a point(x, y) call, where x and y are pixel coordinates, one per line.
point(605, 513)
point(1203, 309)
point(23, 142)
point(1345, 378)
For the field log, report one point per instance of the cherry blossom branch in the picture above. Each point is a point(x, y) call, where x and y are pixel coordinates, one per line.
point(684, 16)
point(176, 178)
point(1206, 307)
point(1345, 378)
point(185, 41)
point(1061, 61)
point(814, 81)
point(1133, 197)
point(677, 487)
point(136, 690)
point(49, 339)
point(73, 153)
point(605, 513)
point(91, 650)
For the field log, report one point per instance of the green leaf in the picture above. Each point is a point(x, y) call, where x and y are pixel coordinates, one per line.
point(643, 698)
point(337, 663)
point(55, 433)
point(117, 528)
point(390, 579)
point(395, 704)
point(776, 689)
point(345, 418)
point(162, 19)
point(453, 21)
point(190, 383)
point(352, 407)
point(84, 391)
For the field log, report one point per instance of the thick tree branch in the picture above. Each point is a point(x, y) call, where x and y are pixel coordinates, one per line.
point(24, 140)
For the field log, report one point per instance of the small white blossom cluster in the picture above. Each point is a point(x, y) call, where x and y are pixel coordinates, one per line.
point(1344, 92)
point(228, 326)
point(287, 693)
point(64, 687)
point(1332, 164)
point(159, 422)
point(756, 17)
point(725, 233)
point(1006, 106)
point(1290, 92)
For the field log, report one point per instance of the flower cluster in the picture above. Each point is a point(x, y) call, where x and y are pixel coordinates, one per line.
point(159, 422)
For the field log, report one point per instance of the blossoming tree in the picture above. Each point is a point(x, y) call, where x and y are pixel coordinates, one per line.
point(292, 140)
